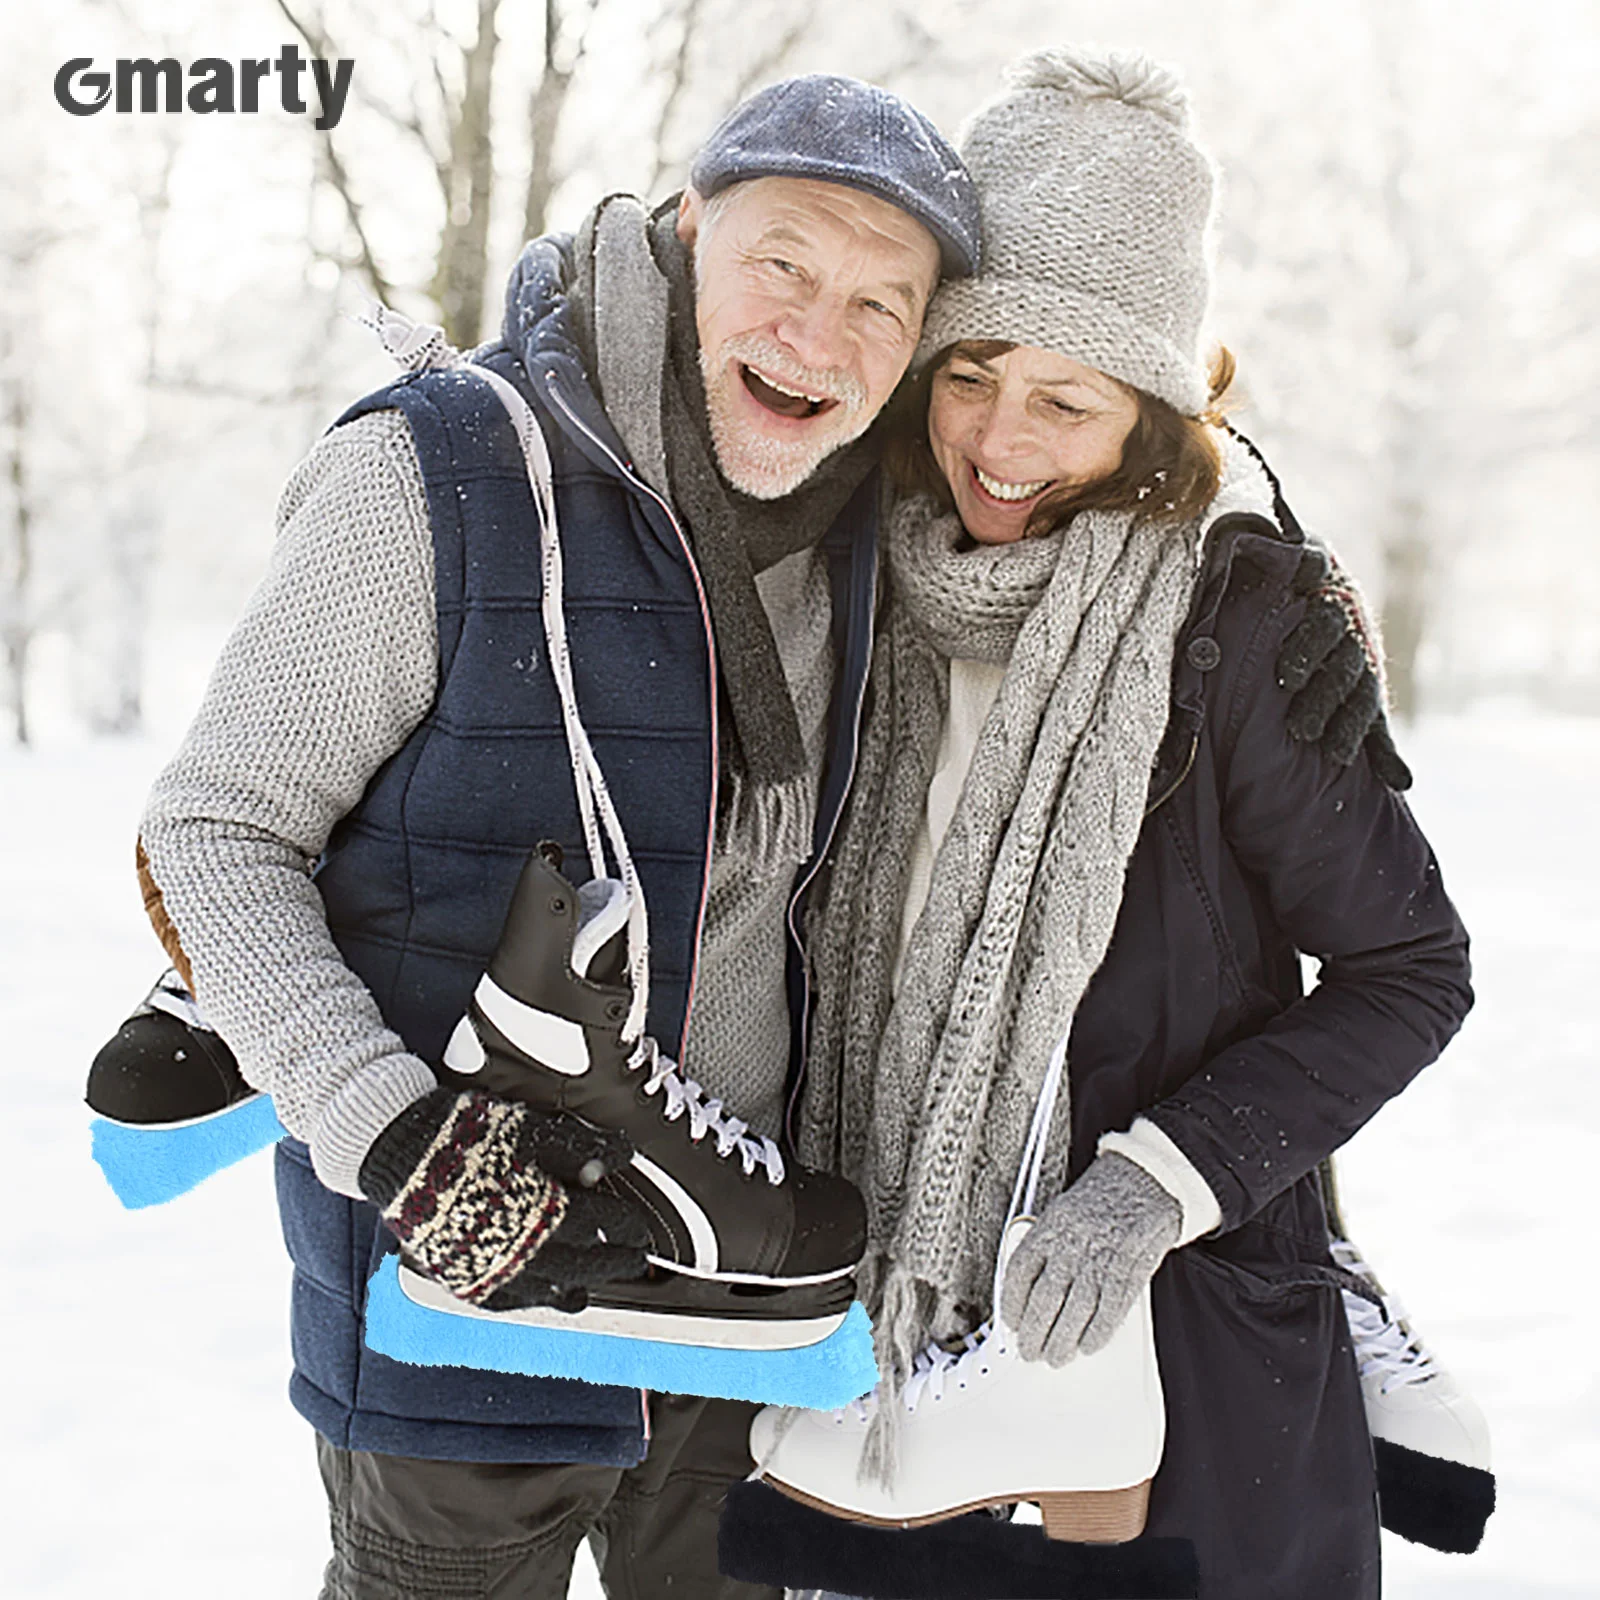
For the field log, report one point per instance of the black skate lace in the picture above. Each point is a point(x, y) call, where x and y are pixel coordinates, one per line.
point(705, 1116)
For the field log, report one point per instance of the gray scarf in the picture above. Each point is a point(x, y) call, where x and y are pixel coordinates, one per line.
point(923, 1095)
point(634, 293)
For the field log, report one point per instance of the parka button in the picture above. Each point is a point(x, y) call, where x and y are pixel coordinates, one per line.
point(1203, 653)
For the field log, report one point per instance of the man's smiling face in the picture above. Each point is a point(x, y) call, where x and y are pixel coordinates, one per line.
point(809, 299)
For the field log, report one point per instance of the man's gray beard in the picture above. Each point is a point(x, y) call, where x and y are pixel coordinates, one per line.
point(765, 468)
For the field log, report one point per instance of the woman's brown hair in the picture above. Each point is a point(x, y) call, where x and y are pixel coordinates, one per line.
point(1170, 464)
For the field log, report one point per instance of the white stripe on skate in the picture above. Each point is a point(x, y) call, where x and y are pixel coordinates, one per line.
point(464, 1053)
point(759, 1279)
point(701, 1234)
point(554, 1042)
point(181, 1122)
point(670, 1327)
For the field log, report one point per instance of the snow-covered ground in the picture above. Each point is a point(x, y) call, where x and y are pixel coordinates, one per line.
point(150, 1449)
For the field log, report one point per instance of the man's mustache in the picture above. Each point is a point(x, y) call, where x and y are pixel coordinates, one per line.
point(772, 360)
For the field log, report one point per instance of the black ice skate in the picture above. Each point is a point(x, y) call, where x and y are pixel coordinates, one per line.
point(172, 1105)
point(747, 1250)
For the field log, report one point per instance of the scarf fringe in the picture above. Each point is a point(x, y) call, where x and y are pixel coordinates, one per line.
point(904, 1309)
point(769, 822)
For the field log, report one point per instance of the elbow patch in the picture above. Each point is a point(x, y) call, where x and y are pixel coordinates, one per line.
point(156, 909)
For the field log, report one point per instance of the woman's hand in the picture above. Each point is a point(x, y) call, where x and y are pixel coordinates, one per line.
point(1330, 665)
point(1078, 1272)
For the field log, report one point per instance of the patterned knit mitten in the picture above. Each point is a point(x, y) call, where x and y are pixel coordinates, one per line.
point(489, 1198)
point(1332, 665)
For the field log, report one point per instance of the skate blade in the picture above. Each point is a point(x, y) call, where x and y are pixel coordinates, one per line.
point(148, 1164)
point(833, 1368)
point(1081, 1516)
point(624, 1322)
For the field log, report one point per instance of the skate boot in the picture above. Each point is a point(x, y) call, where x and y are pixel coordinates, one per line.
point(970, 1437)
point(165, 1066)
point(172, 1104)
point(747, 1251)
point(1430, 1440)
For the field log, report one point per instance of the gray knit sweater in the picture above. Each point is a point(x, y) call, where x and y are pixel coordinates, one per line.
point(332, 666)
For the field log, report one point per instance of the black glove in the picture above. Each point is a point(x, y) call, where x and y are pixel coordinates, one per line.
point(494, 1200)
point(1328, 667)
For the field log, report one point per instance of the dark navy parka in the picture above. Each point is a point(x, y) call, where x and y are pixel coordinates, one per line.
point(1256, 848)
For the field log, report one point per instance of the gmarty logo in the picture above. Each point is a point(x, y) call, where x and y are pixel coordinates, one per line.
point(211, 89)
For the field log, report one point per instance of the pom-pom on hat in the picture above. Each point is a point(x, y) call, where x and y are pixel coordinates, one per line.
point(841, 130)
point(1095, 205)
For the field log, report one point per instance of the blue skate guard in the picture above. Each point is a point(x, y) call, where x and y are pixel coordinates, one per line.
point(819, 1376)
point(150, 1163)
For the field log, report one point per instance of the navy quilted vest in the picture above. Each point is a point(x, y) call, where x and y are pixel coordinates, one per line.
point(417, 878)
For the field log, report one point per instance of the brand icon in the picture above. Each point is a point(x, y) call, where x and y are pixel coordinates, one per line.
point(98, 85)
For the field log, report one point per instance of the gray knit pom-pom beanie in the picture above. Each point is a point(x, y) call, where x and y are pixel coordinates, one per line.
point(1095, 208)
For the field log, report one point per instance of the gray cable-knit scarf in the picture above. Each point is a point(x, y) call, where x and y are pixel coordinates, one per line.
point(924, 1095)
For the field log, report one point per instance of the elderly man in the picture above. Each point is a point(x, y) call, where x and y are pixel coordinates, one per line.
point(704, 377)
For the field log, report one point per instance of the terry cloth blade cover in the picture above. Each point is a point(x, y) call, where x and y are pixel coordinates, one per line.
point(767, 1538)
point(820, 1376)
point(147, 1166)
point(1430, 1500)
point(172, 1105)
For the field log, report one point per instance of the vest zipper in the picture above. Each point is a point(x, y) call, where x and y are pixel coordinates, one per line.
point(818, 857)
point(711, 660)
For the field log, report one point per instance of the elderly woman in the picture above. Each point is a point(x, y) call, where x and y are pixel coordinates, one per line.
point(1079, 816)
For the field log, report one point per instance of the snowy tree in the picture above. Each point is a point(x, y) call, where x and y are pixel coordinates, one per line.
point(1408, 267)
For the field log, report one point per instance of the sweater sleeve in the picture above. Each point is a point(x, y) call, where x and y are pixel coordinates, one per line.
point(331, 667)
point(1348, 876)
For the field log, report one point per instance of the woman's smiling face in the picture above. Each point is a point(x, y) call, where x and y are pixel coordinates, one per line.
point(1008, 429)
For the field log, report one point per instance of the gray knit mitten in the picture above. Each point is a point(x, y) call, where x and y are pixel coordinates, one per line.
point(1080, 1268)
point(490, 1198)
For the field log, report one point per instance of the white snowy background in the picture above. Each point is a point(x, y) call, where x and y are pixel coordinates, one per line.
point(1409, 270)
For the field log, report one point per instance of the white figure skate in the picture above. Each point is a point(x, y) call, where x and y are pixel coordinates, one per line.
point(982, 1427)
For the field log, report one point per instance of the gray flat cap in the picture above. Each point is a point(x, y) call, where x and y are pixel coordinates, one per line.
point(841, 130)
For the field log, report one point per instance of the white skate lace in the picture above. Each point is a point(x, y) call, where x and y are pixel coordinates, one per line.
point(684, 1095)
point(1386, 1347)
point(417, 347)
point(939, 1366)
point(170, 996)
point(945, 1362)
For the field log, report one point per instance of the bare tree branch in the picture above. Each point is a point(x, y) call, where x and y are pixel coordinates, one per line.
point(411, 123)
point(545, 106)
point(770, 59)
point(919, 45)
point(317, 41)
point(340, 180)
point(208, 389)
point(463, 263)
point(16, 625)
point(677, 82)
